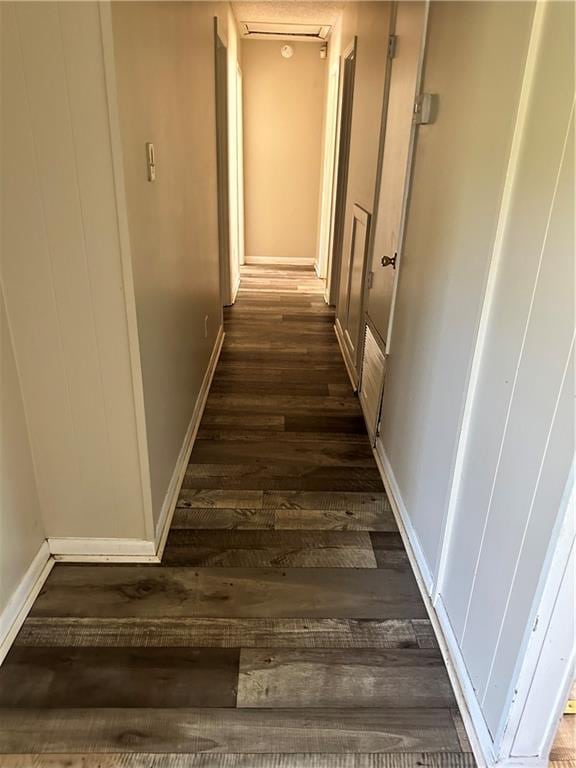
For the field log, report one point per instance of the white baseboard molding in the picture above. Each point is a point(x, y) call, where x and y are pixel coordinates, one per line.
point(16, 610)
point(236, 289)
point(476, 728)
point(352, 375)
point(279, 262)
point(85, 549)
point(167, 512)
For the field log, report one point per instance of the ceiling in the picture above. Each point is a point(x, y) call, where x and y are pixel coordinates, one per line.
point(294, 12)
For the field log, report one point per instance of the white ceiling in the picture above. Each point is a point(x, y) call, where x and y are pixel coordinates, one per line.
point(294, 12)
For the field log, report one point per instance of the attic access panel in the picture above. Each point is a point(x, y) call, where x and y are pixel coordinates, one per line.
point(262, 30)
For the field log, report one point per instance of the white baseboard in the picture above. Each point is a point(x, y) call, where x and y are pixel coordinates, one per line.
point(474, 722)
point(278, 262)
point(167, 512)
point(352, 375)
point(16, 610)
point(92, 550)
point(236, 289)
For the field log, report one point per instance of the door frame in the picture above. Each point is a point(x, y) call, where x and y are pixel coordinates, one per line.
point(240, 163)
point(222, 159)
point(341, 165)
point(547, 670)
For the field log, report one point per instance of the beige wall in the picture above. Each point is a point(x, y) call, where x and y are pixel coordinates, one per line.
point(63, 275)
point(21, 527)
point(283, 106)
point(165, 72)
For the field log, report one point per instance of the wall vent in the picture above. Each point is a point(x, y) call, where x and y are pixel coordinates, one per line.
point(372, 383)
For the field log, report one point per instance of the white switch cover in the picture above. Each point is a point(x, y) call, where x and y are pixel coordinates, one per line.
point(151, 161)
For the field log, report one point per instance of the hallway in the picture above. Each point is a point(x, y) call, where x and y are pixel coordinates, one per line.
point(284, 618)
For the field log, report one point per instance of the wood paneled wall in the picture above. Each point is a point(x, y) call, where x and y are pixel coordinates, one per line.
point(63, 274)
point(520, 444)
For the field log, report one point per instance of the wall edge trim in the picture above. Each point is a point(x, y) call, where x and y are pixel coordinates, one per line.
point(169, 505)
point(125, 250)
point(86, 549)
point(14, 613)
point(279, 261)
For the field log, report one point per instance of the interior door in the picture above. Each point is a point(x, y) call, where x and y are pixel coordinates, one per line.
point(394, 173)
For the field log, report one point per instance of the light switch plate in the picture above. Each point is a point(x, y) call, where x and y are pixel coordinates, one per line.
point(151, 161)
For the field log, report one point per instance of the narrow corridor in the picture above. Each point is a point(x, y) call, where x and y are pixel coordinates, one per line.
point(284, 627)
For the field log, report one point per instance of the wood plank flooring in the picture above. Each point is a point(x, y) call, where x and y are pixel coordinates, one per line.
point(284, 627)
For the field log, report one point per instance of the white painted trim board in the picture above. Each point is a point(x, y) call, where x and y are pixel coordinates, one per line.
point(94, 550)
point(16, 610)
point(169, 505)
point(277, 261)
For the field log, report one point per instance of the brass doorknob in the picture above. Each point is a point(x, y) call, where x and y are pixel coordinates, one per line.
point(386, 261)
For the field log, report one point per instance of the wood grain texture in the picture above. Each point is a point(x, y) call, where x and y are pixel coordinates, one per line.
point(348, 502)
point(218, 633)
point(124, 591)
point(461, 731)
point(389, 549)
point(425, 633)
point(202, 498)
point(213, 518)
point(284, 575)
point(355, 678)
point(312, 478)
point(217, 731)
point(269, 451)
point(283, 519)
point(118, 677)
point(251, 435)
point(297, 760)
point(564, 746)
point(265, 549)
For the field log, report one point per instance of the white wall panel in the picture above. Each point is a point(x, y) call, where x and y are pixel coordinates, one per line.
point(62, 272)
point(536, 176)
point(520, 443)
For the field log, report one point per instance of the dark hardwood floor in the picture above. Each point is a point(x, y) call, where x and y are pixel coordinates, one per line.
point(284, 627)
